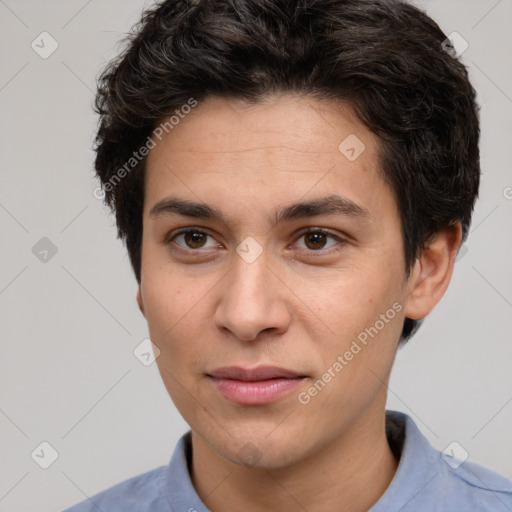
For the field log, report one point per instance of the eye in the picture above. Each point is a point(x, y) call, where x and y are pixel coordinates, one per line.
point(192, 239)
point(315, 240)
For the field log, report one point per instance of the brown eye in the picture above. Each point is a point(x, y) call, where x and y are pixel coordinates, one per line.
point(192, 239)
point(315, 240)
point(319, 240)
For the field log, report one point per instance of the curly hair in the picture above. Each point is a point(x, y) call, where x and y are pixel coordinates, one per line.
point(389, 60)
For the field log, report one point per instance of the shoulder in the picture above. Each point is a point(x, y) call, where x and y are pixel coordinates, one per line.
point(144, 492)
point(478, 486)
point(427, 479)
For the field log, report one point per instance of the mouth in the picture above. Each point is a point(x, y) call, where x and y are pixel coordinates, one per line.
point(257, 386)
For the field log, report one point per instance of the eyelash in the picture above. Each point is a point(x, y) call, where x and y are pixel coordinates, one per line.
point(320, 252)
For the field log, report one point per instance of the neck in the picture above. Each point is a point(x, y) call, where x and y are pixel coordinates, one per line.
point(350, 473)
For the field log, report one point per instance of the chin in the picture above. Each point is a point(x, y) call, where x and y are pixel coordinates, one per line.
point(260, 450)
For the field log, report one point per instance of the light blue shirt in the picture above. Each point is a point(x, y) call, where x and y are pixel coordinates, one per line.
point(426, 480)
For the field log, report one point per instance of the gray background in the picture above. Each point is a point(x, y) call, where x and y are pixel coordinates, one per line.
point(69, 325)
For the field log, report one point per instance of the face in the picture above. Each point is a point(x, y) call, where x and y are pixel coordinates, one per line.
point(248, 280)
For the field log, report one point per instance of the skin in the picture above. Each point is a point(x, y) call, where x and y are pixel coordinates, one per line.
point(299, 305)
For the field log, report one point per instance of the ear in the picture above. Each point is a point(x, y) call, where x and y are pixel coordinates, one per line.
point(432, 272)
point(139, 301)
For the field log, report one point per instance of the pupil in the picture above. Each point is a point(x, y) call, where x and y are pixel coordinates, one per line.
point(318, 240)
point(194, 239)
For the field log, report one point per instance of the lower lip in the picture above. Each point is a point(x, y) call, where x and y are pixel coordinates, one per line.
point(257, 392)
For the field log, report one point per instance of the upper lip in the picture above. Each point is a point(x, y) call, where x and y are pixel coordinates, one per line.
point(255, 374)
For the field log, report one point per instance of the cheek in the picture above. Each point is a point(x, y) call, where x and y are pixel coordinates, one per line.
point(174, 312)
point(174, 326)
point(356, 359)
point(363, 312)
point(167, 295)
point(348, 302)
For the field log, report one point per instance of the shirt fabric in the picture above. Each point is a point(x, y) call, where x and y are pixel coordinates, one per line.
point(426, 480)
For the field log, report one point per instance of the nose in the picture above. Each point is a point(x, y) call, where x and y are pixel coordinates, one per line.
point(253, 300)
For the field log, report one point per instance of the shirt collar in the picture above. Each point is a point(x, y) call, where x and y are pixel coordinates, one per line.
point(418, 466)
point(181, 493)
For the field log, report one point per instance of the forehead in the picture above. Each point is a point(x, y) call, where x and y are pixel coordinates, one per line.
point(284, 146)
point(222, 124)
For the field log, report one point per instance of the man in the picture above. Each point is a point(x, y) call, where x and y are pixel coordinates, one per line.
point(293, 181)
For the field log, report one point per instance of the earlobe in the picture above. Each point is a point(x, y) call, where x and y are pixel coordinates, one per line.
point(432, 272)
point(139, 301)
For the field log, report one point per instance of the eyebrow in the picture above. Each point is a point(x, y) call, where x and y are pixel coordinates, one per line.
point(330, 205)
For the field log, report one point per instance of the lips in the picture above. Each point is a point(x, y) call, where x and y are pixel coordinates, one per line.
point(256, 386)
point(257, 374)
